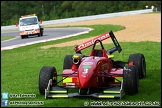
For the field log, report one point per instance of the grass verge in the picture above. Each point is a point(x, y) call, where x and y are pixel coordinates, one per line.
point(7, 37)
point(20, 69)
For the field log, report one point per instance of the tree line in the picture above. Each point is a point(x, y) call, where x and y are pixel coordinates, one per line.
point(50, 10)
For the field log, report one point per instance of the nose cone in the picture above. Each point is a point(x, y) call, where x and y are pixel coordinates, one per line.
point(86, 71)
point(85, 74)
point(83, 83)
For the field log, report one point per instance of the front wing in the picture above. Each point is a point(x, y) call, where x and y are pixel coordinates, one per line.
point(62, 92)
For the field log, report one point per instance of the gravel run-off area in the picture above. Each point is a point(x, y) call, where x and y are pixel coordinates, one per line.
point(142, 27)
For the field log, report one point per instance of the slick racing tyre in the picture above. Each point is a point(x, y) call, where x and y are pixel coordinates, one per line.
point(47, 73)
point(130, 80)
point(139, 61)
point(68, 60)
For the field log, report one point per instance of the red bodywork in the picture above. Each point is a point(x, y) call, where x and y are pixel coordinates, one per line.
point(92, 71)
point(91, 42)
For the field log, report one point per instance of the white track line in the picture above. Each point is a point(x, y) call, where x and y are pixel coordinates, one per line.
point(46, 40)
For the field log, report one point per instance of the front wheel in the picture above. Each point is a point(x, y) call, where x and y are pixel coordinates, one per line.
point(39, 34)
point(130, 80)
point(47, 73)
point(22, 37)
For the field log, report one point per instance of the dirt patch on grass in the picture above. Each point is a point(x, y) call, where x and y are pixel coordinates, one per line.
point(142, 27)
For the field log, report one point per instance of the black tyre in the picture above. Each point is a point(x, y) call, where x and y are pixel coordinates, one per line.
point(22, 37)
point(130, 80)
point(41, 32)
point(139, 61)
point(46, 73)
point(68, 60)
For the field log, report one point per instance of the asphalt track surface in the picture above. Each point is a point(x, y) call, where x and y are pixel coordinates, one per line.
point(48, 35)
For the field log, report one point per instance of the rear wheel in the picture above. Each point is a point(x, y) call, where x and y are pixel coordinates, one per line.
point(68, 60)
point(130, 80)
point(41, 32)
point(139, 61)
point(47, 73)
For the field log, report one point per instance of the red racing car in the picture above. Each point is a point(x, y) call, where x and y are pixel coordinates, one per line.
point(97, 75)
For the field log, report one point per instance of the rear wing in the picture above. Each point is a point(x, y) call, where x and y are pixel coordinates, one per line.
point(116, 43)
point(102, 37)
point(89, 43)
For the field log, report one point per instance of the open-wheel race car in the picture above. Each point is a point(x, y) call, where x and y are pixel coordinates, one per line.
point(97, 75)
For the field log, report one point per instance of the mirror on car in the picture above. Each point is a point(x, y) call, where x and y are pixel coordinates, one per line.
point(17, 23)
point(40, 21)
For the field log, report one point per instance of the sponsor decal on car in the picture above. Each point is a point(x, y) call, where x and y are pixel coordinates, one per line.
point(88, 63)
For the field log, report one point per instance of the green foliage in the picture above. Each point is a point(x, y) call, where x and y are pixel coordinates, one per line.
point(66, 6)
point(50, 10)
